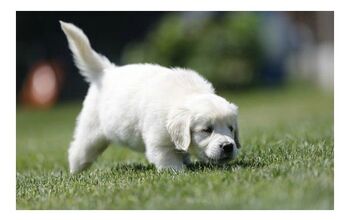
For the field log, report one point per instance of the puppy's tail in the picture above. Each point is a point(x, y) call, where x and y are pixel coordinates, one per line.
point(89, 62)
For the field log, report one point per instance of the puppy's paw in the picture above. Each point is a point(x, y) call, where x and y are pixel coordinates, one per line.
point(170, 164)
point(174, 169)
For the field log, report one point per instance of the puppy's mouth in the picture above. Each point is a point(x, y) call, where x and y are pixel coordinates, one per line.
point(225, 159)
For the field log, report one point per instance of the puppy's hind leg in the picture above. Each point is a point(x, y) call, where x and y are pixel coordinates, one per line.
point(88, 143)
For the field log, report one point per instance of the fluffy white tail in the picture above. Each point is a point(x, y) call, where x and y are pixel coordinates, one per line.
point(90, 63)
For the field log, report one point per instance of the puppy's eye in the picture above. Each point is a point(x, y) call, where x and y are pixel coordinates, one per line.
point(231, 128)
point(207, 129)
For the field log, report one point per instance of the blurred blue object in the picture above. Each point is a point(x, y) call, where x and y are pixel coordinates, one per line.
point(276, 32)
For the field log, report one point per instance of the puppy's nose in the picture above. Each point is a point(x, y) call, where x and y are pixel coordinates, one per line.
point(228, 148)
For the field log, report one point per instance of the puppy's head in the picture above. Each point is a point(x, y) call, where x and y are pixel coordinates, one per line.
point(207, 123)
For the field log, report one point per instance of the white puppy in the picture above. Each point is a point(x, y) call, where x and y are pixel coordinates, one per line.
point(160, 111)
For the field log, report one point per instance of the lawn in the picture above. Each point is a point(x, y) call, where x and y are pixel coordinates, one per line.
point(286, 162)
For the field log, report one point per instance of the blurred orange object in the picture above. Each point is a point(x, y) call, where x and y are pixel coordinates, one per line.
point(42, 85)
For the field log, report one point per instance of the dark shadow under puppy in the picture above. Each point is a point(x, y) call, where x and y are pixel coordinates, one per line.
point(200, 166)
point(195, 166)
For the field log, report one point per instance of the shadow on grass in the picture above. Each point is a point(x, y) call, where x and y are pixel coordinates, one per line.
point(199, 166)
point(135, 167)
point(196, 166)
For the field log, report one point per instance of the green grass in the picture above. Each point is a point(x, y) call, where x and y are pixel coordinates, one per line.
point(286, 162)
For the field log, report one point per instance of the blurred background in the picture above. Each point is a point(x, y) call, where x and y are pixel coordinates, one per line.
point(236, 51)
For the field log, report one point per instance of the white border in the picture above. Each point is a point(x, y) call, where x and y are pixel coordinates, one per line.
point(8, 113)
point(174, 5)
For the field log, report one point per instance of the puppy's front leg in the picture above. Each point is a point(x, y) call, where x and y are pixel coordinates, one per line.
point(165, 158)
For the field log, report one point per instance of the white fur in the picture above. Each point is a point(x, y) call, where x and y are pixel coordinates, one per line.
point(150, 108)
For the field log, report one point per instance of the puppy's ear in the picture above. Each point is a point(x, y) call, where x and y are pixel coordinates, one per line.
point(236, 136)
point(178, 126)
point(236, 133)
